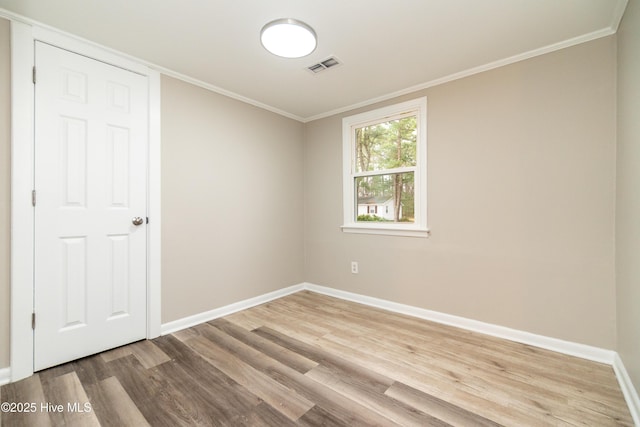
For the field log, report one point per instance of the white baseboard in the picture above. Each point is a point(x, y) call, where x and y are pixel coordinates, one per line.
point(565, 347)
point(629, 391)
point(5, 376)
point(196, 319)
point(583, 351)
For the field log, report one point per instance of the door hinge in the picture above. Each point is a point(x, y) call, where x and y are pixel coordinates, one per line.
point(33, 198)
point(33, 74)
point(33, 320)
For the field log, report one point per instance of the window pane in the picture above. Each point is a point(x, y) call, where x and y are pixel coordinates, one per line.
point(385, 198)
point(386, 145)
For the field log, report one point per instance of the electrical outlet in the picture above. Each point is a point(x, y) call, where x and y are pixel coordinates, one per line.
point(354, 267)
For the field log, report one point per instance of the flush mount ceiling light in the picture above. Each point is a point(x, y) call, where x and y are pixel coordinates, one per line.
point(288, 38)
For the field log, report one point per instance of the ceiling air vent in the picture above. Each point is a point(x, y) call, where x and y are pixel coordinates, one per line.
point(323, 65)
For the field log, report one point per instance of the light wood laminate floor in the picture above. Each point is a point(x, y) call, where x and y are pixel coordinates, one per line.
point(309, 359)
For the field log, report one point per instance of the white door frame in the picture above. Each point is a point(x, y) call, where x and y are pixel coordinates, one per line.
point(23, 37)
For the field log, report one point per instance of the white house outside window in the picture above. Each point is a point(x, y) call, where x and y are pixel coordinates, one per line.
point(385, 176)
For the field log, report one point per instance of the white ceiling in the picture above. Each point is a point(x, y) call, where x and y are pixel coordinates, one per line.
point(387, 46)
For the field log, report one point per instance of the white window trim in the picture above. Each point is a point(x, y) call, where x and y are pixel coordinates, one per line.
point(349, 124)
point(23, 37)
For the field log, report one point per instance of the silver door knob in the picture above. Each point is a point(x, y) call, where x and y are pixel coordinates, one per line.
point(137, 220)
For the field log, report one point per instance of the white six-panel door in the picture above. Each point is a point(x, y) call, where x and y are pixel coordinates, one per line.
point(91, 141)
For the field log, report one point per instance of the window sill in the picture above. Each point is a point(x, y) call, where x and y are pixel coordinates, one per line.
point(386, 230)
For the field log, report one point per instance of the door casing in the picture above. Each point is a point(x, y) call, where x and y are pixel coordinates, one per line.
point(23, 37)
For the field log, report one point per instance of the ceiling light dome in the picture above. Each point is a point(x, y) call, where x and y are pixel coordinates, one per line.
point(288, 38)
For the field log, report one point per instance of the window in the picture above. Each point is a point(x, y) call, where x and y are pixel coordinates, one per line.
point(385, 176)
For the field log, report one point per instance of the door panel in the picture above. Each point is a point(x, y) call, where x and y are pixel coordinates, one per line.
point(90, 161)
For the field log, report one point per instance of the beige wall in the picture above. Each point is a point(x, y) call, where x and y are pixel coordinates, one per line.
point(521, 202)
point(5, 190)
point(232, 207)
point(628, 195)
point(521, 176)
point(232, 211)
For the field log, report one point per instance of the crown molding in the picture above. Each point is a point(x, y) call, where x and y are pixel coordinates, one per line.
point(475, 70)
point(163, 70)
point(617, 17)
